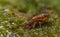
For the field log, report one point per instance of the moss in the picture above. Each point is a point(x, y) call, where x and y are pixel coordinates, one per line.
point(13, 24)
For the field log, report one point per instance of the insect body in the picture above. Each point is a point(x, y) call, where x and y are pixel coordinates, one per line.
point(36, 19)
point(40, 18)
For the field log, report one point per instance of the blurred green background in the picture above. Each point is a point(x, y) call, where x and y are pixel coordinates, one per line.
point(14, 13)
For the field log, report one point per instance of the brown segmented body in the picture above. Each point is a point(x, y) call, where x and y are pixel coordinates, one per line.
point(39, 18)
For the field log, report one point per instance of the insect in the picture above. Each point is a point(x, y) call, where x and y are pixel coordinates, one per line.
point(41, 18)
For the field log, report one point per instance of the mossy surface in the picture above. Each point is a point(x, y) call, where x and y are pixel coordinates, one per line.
point(15, 13)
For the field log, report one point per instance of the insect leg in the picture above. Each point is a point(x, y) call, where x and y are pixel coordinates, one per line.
point(34, 25)
point(40, 24)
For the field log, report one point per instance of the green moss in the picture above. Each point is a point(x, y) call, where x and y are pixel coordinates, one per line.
point(12, 23)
